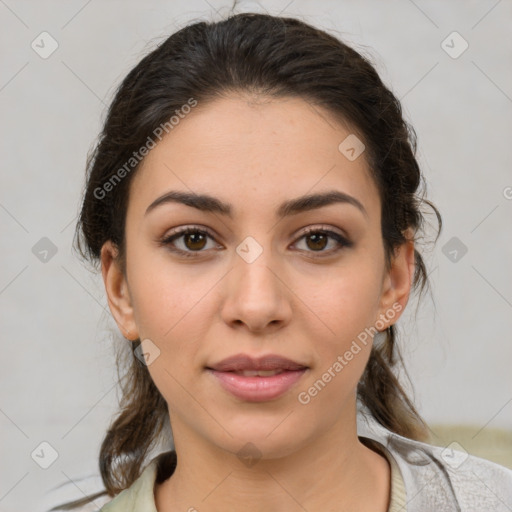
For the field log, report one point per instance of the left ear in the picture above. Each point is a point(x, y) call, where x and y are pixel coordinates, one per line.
point(397, 283)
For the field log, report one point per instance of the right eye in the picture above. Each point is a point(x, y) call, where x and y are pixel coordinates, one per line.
point(194, 240)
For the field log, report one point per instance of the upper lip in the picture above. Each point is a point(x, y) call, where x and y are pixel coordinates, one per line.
point(242, 362)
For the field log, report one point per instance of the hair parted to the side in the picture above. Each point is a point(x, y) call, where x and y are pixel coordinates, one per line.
point(272, 57)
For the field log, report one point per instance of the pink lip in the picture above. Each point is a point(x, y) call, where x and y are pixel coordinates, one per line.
point(240, 362)
point(257, 389)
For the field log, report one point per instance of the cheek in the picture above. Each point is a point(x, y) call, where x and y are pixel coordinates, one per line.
point(344, 309)
point(344, 303)
point(168, 310)
point(166, 296)
point(173, 307)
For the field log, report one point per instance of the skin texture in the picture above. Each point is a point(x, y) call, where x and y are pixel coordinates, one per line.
point(254, 155)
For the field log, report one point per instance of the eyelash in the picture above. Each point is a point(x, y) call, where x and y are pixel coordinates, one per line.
point(168, 240)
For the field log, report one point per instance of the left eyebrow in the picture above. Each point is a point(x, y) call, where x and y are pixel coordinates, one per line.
point(207, 203)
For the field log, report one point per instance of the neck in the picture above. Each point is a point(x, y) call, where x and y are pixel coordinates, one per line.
point(333, 472)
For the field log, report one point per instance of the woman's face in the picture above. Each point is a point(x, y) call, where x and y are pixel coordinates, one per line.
point(256, 283)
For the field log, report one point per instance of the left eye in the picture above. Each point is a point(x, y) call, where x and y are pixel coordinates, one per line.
point(318, 239)
point(195, 239)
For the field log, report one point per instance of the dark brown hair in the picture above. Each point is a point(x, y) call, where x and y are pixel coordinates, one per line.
point(273, 57)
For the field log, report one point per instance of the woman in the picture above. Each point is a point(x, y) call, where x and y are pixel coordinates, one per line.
point(253, 202)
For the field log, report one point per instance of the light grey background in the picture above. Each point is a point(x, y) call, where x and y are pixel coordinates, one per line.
point(57, 365)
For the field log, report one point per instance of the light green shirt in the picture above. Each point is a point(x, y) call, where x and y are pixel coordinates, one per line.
point(140, 497)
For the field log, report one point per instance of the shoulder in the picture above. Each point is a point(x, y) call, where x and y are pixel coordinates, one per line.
point(447, 478)
point(475, 482)
point(443, 479)
point(136, 498)
point(75, 489)
point(140, 495)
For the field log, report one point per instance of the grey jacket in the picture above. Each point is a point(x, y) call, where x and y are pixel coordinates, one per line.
point(446, 479)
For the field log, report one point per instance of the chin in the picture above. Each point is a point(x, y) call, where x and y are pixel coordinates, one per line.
point(259, 443)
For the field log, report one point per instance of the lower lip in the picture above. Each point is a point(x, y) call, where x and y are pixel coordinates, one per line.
point(258, 389)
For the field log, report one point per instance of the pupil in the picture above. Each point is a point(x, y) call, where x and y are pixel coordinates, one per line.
point(315, 237)
point(191, 236)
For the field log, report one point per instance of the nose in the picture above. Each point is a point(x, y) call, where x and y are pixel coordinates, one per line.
point(257, 295)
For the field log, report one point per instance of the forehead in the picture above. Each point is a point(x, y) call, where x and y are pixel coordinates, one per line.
point(263, 151)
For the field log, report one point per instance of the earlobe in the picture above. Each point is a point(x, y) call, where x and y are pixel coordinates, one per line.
point(117, 291)
point(398, 282)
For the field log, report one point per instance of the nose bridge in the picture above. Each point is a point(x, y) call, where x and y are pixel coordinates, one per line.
point(254, 264)
point(257, 293)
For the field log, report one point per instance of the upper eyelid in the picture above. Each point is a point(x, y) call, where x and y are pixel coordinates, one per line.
point(303, 232)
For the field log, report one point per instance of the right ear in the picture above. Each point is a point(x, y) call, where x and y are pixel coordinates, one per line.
point(118, 295)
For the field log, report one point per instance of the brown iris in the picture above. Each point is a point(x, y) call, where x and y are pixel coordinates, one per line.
point(317, 238)
point(195, 238)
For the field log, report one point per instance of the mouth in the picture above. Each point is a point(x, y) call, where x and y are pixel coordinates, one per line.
point(258, 373)
point(257, 385)
point(246, 362)
point(257, 379)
